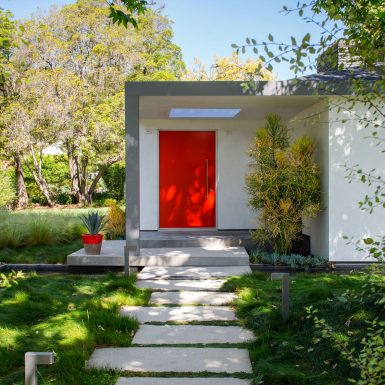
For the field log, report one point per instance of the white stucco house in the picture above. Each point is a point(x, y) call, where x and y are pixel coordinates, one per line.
point(187, 155)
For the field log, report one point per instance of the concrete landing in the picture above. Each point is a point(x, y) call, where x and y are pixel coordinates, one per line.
point(192, 256)
point(179, 314)
point(191, 334)
point(112, 254)
point(192, 298)
point(181, 381)
point(179, 284)
point(192, 272)
point(166, 359)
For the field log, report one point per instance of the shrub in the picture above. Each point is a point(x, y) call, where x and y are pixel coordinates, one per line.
point(292, 260)
point(284, 184)
point(7, 189)
point(114, 179)
point(115, 228)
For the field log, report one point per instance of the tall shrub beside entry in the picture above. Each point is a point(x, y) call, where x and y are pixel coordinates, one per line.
point(7, 190)
point(284, 184)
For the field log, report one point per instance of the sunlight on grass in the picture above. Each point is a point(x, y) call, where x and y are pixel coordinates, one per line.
point(70, 315)
point(9, 337)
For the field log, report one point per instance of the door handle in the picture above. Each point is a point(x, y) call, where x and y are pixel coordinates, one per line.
point(207, 178)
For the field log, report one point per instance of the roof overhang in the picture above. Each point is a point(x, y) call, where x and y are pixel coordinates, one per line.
point(294, 87)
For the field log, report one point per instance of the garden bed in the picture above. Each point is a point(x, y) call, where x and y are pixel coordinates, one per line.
point(337, 267)
point(294, 353)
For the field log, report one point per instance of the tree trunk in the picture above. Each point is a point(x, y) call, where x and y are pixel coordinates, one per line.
point(22, 195)
point(99, 176)
point(74, 174)
point(37, 174)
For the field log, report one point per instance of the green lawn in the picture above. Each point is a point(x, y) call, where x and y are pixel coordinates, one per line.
point(69, 315)
point(40, 254)
point(292, 353)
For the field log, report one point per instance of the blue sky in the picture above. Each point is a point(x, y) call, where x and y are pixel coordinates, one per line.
point(207, 28)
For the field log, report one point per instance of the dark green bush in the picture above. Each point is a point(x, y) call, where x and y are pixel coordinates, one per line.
point(114, 181)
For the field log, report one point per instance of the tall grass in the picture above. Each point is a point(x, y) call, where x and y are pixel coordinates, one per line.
point(33, 228)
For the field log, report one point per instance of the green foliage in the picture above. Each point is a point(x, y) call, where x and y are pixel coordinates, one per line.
point(55, 253)
point(126, 17)
point(71, 315)
point(367, 356)
point(293, 353)
point(67, 72)
point(292, 260)
point(94, 222)
point(114, 179)
point(284, 184)
point(9, 279)
point(7, 190)
point(7, 30)
point(55, 170)
point(26, 228)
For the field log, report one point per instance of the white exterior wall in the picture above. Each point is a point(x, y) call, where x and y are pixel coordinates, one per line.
point(350, 145)
point(314, 122)
point(234, 137)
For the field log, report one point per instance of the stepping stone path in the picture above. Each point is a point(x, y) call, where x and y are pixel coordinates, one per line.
point(167, 343)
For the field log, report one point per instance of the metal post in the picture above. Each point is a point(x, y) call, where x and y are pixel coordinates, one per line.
point(284, 277)
point(32, 359)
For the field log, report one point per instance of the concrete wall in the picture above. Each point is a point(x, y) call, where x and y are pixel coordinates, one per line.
point(234, 137)
point(350, 145)
point(314, 122)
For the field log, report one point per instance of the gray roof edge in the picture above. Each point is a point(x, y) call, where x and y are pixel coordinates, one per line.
point(295, 87)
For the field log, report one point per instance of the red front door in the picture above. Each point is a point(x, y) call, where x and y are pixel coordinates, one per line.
point(186, 179)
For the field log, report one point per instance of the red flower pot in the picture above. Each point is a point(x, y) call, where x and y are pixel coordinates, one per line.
point(92, 243)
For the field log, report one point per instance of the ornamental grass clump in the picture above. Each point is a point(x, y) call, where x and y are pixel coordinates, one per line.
point(116, 225)
point(284, 184)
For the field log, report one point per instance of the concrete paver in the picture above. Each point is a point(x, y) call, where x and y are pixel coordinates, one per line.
point(167, 359)
point(192, 272)
point(191, 334)
point(192, 298)
point(180, 284)
point(179, 314)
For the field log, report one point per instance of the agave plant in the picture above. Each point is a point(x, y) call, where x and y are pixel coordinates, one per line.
point(94, 222)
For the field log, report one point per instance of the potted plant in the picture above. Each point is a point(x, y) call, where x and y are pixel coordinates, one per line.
point(95, 223)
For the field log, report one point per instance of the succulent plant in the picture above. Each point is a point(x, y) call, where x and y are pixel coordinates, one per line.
point(94, 222)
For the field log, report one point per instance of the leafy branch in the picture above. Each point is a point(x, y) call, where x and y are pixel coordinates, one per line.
point(127, 15)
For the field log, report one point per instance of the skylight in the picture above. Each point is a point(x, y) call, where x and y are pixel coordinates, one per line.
point(204, 113)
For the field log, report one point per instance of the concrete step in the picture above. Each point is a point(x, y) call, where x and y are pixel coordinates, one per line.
point(181, 381)
point(177, 239)
point(170, 359)
point(178, 314)
point(192, 256)
point(192, 298)
point(180, 284)
point(200, 272)
point(191, 334)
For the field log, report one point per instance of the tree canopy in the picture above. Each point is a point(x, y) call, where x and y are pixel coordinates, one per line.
point(65, 79)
